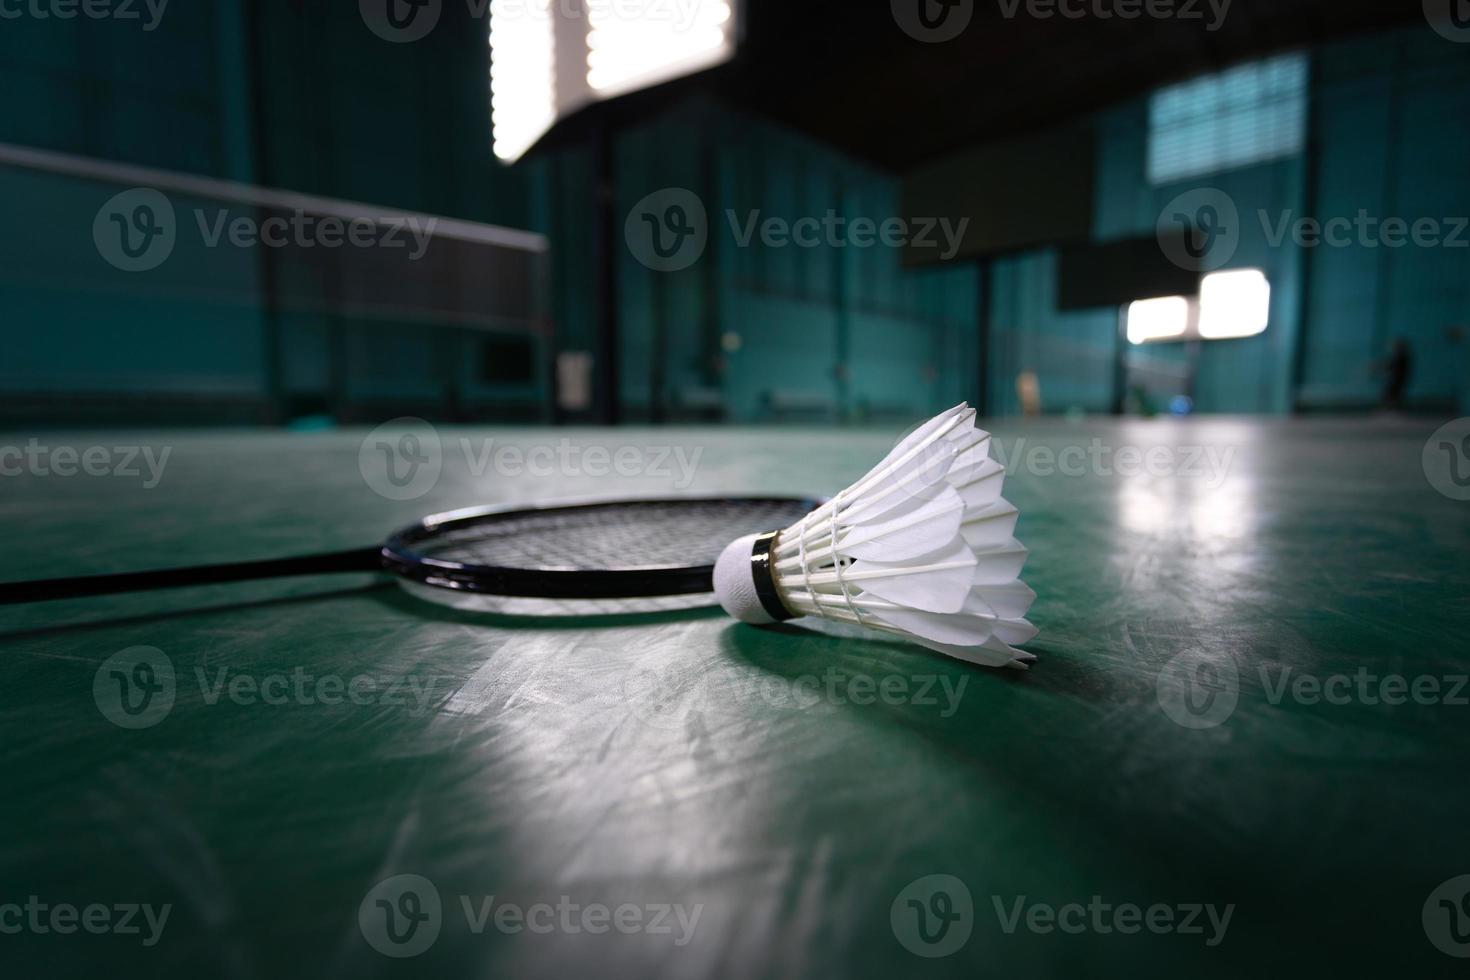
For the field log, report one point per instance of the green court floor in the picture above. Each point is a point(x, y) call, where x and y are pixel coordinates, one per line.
point(672, 794)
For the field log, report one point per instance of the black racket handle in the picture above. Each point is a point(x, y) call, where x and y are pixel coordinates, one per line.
point(362, 560)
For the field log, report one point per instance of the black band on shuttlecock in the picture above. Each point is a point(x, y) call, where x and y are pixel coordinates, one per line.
point(763, 574)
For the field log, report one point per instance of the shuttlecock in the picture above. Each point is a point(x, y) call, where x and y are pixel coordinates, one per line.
point(921, 547)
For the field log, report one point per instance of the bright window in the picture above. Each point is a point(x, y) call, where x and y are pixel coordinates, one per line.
point(1246, 115)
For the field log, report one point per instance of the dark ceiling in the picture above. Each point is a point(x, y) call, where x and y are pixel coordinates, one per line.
point(847, 73)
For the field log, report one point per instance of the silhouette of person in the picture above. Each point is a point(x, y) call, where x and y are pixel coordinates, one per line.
point(1396, 370)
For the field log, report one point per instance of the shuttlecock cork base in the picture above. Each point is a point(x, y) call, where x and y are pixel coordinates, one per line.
point(921, 547)
point(745, 583)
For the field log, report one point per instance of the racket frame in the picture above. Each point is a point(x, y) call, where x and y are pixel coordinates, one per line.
point(632, 582)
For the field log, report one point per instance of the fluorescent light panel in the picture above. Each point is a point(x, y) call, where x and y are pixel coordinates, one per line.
point(522, 74)
point(633, 46)
point(1236, 303)
point(549, 57)
point(1166, 317)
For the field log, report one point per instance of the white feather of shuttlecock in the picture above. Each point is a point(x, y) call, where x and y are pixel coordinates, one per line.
point(922, 547)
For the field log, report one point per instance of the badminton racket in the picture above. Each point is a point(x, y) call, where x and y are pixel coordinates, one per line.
point(608, 549)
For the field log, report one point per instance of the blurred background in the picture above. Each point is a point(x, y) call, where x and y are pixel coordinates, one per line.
point(743, 211)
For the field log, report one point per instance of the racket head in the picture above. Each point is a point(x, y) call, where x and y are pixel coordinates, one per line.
point(644, 549)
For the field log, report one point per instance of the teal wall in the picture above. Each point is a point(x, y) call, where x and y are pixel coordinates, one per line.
point(1389, 132)
point(1252, 374)
point(813, 333)
point(1393, 121)
point(849, 328)
point(293, 96)
point(823, 333)
point(94, 88)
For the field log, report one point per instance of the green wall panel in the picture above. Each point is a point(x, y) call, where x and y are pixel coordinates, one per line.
point(292, 96)
point(1393, 121)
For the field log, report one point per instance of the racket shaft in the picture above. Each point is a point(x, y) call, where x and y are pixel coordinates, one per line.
point(362, 560)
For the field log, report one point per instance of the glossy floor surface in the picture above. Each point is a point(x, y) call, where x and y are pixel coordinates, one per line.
point(1211, 771)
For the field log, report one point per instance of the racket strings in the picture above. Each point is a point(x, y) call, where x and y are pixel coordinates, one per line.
point(612, 537)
